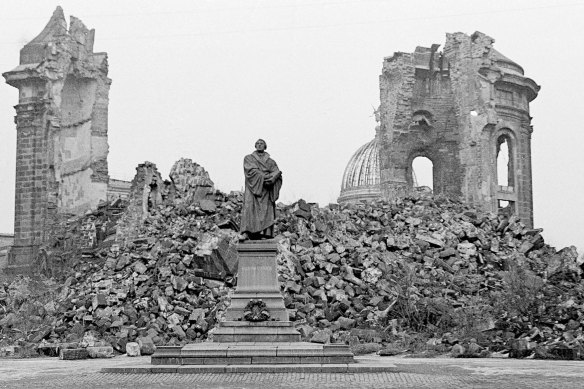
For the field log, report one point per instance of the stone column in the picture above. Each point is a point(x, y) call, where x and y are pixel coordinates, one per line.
point(32, 183)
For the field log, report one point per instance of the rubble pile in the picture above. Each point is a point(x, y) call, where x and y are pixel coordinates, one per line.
point(168, 286)
point(75, 237)
point(417, 272)
point(433, 270)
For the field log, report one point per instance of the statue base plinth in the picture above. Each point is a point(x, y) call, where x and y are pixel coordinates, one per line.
point(257, 279)
point(245, 331)
point(237, 341)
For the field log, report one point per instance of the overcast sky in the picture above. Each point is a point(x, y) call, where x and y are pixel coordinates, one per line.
point(205, 79)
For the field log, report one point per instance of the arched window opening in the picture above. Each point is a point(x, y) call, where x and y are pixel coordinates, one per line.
point(422, 119)
point(153, 196)
point(423, 173)
point(505, 169)
point(506, 208)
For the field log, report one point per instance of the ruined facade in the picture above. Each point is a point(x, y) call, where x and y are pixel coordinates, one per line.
point(62, 124)
point(457, 107)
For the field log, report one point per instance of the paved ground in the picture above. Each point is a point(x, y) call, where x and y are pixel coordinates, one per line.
point(406, 373)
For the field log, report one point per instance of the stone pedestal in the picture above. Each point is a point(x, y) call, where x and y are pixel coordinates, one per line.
point(257, 279)
point(238, 341)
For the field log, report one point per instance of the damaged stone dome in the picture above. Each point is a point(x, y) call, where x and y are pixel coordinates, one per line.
point(361, 177)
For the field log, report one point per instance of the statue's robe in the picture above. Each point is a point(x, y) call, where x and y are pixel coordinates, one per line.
point(259, 201)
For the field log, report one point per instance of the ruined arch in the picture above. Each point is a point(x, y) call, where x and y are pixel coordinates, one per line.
point(423, 172)
point(505, 152)
point(427, 155)
point(505, 171)
point(422, 118)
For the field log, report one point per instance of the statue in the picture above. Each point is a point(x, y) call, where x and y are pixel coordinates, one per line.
point(263, 181)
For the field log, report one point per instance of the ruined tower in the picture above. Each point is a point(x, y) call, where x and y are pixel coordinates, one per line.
point(61, 124)
point(462, 108)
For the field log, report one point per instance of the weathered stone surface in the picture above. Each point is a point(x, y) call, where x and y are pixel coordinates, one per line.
point(140, 268)
point(357, 266)
point(457, 351)
point(75, 353)
point(63, 94)
point(132, 349)
point(208, 206)
point(466, 249)
point(321, 336)
point(146, 193)
point(100, 352)
point(8, 351)
point(441, 105)
point(178, 283)
point(146, 344)
point(192, 183)
point(346, 323)
point(474, 350)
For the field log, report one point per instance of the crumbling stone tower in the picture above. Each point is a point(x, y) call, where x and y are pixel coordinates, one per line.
point(61, 124)
point(457, 108)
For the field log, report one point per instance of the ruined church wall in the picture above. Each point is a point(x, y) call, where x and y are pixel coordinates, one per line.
point(482, 85)
point(396, 87)
point(61, 123)
point(80, 152)
point(428, 94)
point(456, 107)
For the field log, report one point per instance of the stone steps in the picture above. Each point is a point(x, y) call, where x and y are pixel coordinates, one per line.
point(253, 353)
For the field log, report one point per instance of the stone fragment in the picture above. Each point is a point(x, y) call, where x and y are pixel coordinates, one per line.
point(162, 303)
point(191, 181)
point(390, 351)
point(302, 209)
point(177, 329)
point(346, 323)
point(448, 252)
point(132, 349)
point(146, 344)
point(100, 352)
point(88, 340)
point(208, 206)
point(123, 261)
point(371, 275)
point(457, 351)
point(466, 249)
point(321, 336)
point(74, 353)
point(431, 240)
point(140, 268)
point(100, 300)
point(473, 349)
point(520, 348)
point(178, 283)
point(9, 351)
point(182, 311)
point(111, 262)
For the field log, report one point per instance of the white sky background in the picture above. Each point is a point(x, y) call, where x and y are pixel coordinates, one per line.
point(205, 79)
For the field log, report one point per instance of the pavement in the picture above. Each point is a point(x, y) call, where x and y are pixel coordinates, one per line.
point(400, 372)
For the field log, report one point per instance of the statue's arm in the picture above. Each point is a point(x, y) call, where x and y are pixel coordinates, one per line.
point(274, 173)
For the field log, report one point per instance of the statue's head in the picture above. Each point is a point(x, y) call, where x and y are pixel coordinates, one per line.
point(261, 145)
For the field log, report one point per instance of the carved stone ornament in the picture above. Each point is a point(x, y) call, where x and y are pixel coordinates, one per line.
point(256, 311)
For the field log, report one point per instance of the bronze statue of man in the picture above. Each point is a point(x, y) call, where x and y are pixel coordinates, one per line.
point(263, 181)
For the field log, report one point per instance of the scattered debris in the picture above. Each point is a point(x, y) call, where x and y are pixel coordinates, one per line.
point(419, 272)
